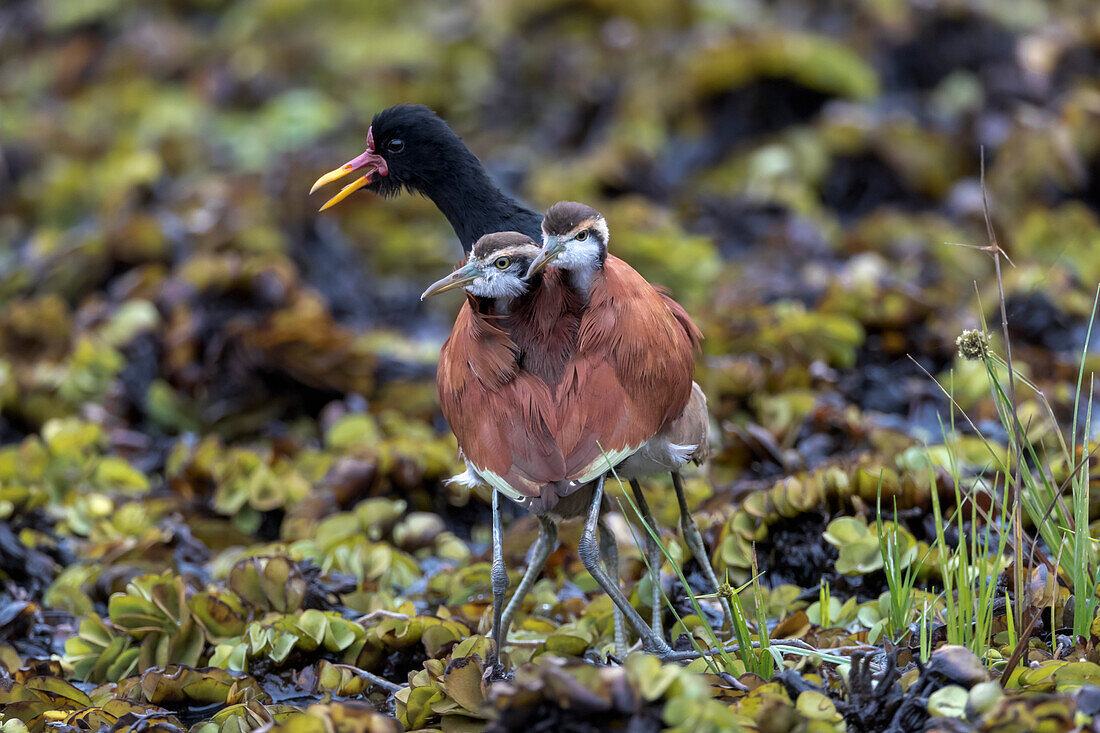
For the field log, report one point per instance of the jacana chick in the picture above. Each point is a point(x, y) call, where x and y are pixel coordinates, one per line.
point(503, 413)
point(630, 390)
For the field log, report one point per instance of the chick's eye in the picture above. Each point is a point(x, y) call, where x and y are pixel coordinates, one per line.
point(582, 236)
point(396, 145)
point(502, 263)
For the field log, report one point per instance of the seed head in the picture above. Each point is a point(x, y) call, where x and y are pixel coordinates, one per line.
point(725, 590)
point(973, 345)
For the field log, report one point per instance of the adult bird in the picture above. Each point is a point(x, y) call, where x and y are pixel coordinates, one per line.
point(628, 398)
point(497, 364)
point(410, 148)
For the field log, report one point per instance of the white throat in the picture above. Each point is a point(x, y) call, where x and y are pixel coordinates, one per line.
point(581, 260)
point(501, 287)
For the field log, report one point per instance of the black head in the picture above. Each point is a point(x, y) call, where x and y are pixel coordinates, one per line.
point(409, 147)
point(418, 147)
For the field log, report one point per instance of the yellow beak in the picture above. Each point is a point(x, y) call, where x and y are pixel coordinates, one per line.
point(331, 176)
point(457, 279)
point(368, 159)
point(344, 192)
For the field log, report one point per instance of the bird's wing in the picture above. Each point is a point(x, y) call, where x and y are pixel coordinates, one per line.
point(600, 421)
point(501, 415)
point(690, 329)
point(632, 374)
point(692, 427)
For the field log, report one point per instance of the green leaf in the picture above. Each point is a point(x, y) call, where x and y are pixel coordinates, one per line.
point(314, 624)
point(948, 702)
point(115, 474)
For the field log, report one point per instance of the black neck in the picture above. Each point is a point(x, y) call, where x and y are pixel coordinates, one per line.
point(475, 205)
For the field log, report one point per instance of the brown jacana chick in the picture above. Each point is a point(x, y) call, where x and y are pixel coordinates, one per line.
point(629, 398)
point(495, 379)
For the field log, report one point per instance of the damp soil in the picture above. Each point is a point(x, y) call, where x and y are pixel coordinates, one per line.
point(795, 552)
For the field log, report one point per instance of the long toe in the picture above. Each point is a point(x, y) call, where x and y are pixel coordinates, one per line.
point(691, 654)
point(657, 647)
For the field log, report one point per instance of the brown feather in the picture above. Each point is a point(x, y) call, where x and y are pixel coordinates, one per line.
point(501, 414)
point(632, 374)
point(684, 439)
point(538, 395)
point(544, 327)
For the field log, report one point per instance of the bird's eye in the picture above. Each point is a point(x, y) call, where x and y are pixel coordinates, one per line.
point(502, 263)
point(582, 236)
point(396, 145)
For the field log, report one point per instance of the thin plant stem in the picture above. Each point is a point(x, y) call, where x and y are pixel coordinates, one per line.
point(995, 250)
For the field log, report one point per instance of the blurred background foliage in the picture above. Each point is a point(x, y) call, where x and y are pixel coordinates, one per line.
point(197, 369)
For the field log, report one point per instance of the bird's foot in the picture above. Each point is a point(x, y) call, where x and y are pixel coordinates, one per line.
point(691, 654)
point(496, 672)
point(657, 647)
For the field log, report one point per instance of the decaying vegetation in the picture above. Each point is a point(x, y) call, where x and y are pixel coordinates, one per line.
point(222, 496)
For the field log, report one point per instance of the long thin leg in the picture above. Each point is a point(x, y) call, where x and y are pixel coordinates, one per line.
point(589, 550)
point(544, 546)
point(695, 544)
point(609, 553)
point(653, 556)
point(498, 577)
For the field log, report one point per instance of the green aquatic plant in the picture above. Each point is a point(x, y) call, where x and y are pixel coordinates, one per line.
point(100, 653)
point(276, 636)
point(269, 583)
point(154, 612)
point(69, 469)
point(862, 546)
point(453, 693)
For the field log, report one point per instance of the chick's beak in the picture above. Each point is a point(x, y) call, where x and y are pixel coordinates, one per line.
point(550, 252)
point(368, 159)
point(457, 279)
